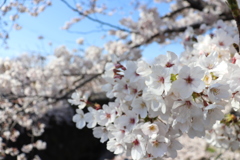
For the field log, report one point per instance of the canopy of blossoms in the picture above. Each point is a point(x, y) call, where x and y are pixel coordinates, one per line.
point(196, 93)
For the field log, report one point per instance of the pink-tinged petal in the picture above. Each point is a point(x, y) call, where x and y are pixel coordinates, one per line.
point(186, 92)
point(160, 150)
point(184, 72)
point(198, 86)
point(197, 72)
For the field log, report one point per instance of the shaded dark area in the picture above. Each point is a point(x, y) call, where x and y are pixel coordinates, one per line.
point(64, 142)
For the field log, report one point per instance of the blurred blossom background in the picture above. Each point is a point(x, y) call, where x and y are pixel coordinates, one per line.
point(41, 34)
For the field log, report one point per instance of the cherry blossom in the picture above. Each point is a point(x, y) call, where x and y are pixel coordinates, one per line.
point(193, 93)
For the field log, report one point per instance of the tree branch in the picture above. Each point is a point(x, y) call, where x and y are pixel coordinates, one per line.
point(3, 3)
point(87, 32)
point(223, 16)
point(96, 20)
point(197, 4)
point(169, 15)
point(65, 95)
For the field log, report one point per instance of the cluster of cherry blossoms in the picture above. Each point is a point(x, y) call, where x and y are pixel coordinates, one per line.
point(34, 88)
point(152, 25)
point(159, 102)
point(195, 94)
point(12, 11)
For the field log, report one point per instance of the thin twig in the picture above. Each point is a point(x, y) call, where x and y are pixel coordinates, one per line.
point(87, 32)
point(3, 3)
point(96, 20)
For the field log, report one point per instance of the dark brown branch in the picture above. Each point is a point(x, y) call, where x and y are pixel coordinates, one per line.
point(99, 97)
point(78, 74)
point(169, 15)
point(197, 4)
point(223, 16)
point(65, 96)
point(13, 97)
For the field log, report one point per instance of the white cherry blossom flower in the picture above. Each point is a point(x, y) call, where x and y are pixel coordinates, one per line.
point(115, 146)
point(79, 119)
point(170, 60)
point(131, 73)
point(221, 39)
point(185, 110)
point(127, 121)
point(174, 145)
point(138, 146)
point(101, 132)
point(106, 115)
point(27, 148)
point(157, 147)
point(189, 81)
point(90, 117)
point(149, 129)
point(212, 113)
point(155, 102)
point(77, 100)
point(40, 145)
point(217, 92)
point(159, 81)
point(143, 68)
point(139, 107)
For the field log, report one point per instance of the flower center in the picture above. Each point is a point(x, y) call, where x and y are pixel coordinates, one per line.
point(132, 121)
point(188, 80)
point(136, 142)
point(210, 111)
point(188, 104)
point(161, 80)
point(152, 128)
point(210, 66)
point(155, 143)
point(221, 43)
point(108, 115)
point(169, 64)
point(143, 105)
point(215, 91)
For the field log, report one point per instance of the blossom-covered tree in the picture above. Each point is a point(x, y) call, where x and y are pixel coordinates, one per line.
point(193, 94)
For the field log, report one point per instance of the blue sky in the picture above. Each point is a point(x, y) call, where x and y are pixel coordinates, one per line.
point(48, 24)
